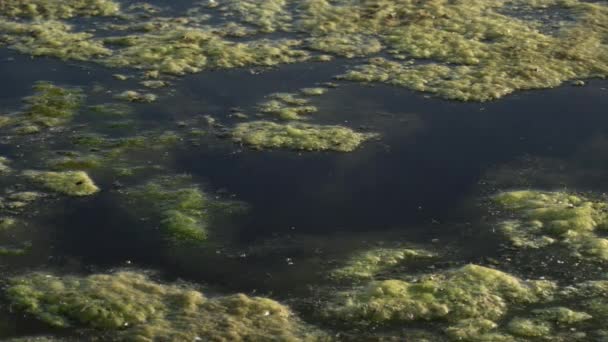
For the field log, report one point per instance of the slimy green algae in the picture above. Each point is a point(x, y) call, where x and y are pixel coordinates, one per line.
point(52, 105)
point(469, 292)
point(541, 218)
point(135, 308)
point(182, 208)
point(58, 9)
point(286, 106)
point(135, 96)
point(478, 53)
point(268, 15)
point(298, 136)
point(179, 51)
point(365, 265)
point(71, 183)
point(51, 38)
point(49, 106)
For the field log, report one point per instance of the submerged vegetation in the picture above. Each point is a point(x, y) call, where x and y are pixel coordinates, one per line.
point(49, 106)
point(181, 208)
point(298, 136)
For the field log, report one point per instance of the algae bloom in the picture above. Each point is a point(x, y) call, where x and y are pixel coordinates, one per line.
point(72, 183)
point(542, 218)
point(298, 136)
point(468, 292)
point(132, 307)
point(366, 264)
point(58, 9)
point(182, 209)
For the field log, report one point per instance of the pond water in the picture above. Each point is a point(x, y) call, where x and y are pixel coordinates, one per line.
point(288, 217)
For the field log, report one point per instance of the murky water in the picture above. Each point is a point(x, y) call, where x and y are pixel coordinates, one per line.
point(422, 182)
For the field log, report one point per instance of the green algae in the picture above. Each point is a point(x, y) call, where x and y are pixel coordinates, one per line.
point(52, 105)
point(529, 328)
point(298, 136)
point(15, 251)
point(286, 106)
point(313, 91)
point(562, 315)
point(7, 223)
point(112, 109)
point(468, 292)
point(179, 51)
point(154, 84)
point(49, 106)
point(135, 96)
point(51, 38)
point(135, 308)
point(72, 183)
point(346, 45)
point(365, 265)
point(267, 15)
point(4, 167)
point(543, 218)
point(481, 54)
point(77, 162)
point(182, 208)
point(58, 9)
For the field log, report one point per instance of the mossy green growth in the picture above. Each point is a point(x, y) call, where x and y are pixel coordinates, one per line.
point(346, 45)
point(135, 96)
point(529, 327)
point(469, 292)
point(4, 167)
point(15, 251)
point(313, 91)
point(268, 15)
point(365, 265)
point(298, 136)
point(52, 105)
point(72, 183)
point(478, 52)
point(112, 109)
point(561, 315)
point(7, 223)
point(132, 307)
point(77, 162)
point(541, 218)
point(51, 38)
point(181, 50)
point(182, 208)
point(58, 9)
point(286, 106)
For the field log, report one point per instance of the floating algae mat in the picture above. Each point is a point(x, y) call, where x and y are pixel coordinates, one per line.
point(303, 170)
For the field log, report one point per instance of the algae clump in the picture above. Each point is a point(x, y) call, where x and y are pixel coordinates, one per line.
point(135, 308)
point(51, 38)
point(541, 218)
point(468, 292)
point(365, 265)
point(58, 9)
point(72, 183)
point(182, 208)
point(298, 136)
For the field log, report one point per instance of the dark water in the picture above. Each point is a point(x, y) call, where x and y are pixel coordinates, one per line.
point(417, 183)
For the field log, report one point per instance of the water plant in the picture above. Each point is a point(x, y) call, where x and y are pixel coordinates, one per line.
point(71, 183)
point(135, 308)
point(298, 136)
point(543, 218)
